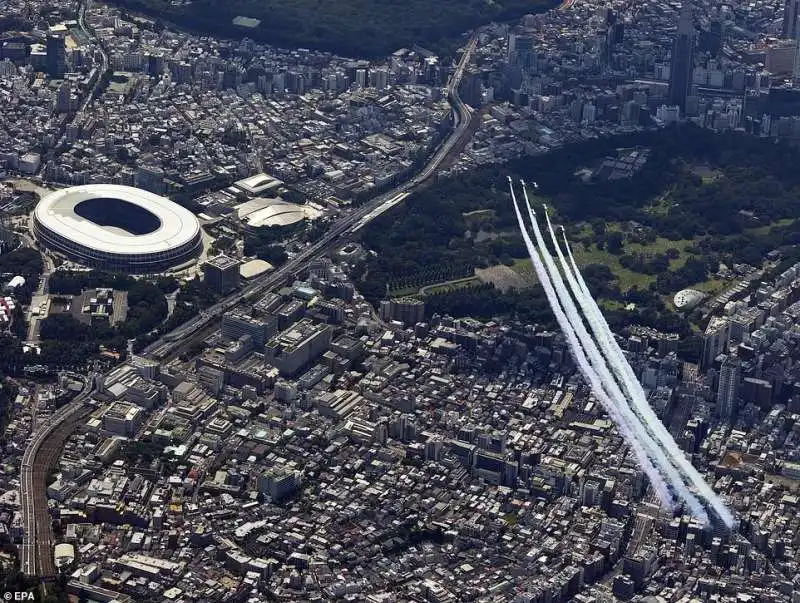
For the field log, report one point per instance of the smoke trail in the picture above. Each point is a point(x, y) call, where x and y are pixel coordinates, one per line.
point(612, 359)
point(658, 454)
point(635, 391)
point(588, 372)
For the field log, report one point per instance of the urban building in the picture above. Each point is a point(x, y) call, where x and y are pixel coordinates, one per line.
point(56, 56)
point(682, 64)
point(294, 348)
point(221, 274)
point(407, 310)
point(728, 388)
point(791, 10)
point(715, 340)
point(238, 323)
point(122, 418)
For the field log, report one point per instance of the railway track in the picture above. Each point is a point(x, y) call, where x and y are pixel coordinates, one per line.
point(37, 550)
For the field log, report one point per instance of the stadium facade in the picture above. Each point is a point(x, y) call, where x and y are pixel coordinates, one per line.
point(117, 228)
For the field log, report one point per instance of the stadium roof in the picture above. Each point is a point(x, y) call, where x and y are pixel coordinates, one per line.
point(274, 212)
point(56, 212)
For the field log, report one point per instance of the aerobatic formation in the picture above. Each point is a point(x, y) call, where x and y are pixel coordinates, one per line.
point(612, 380)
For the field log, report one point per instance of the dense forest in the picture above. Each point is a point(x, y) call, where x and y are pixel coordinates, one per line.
point(69, 342)
point(730, 217)
point(359, 28)
point(25, 262)
point(265, 242)
point(72, 282)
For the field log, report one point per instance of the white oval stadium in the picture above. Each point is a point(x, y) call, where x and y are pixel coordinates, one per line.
point(117, 228)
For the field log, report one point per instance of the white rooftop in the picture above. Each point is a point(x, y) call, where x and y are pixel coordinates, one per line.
point(56, 212)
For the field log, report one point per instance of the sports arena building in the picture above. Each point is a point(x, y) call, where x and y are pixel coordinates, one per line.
point(117, 228)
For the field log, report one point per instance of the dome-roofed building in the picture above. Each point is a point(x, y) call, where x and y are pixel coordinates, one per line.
point(687, 299)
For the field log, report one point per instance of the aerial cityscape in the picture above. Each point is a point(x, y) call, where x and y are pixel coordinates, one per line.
point(400, 301)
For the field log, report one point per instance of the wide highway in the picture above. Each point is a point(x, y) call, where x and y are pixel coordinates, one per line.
point(48, 441)
point(462, 116)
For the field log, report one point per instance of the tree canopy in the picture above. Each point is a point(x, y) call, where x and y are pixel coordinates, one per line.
point(368, 28)
point(745, 210)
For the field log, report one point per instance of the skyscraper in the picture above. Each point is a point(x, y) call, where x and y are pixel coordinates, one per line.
point(790, 18)
point(728, 389)
point(715, 340)
point(680, 77)
point(63, 98)
point(56, 56)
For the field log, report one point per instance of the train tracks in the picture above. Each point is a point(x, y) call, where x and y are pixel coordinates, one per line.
point(37, 464)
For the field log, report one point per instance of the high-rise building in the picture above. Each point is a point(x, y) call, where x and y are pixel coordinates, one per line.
point(796, 65)
point(715, 36)
point(56, 56)
point(221, 274)
point(63, 98)
point(791, 8)
point(379, 77)
point(728, 389)
point(407, 310)
point(715, 340)
point(680, 77)
point(361, 78)
point(519, 46)
point(591, 494)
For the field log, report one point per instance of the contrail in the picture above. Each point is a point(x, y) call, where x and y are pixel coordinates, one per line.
point(588, 372)
point(635, 391)
point(614, 362)
point(657, 453)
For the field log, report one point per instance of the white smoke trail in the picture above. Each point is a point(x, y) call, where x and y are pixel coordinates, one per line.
point(636, 393)
point(588, 372)
point(653, 447)
point(612, 359)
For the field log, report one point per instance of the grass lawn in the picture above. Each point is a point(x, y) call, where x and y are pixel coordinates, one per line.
point(611, 304)
point(763, 230)
point(660, 245)
point(661, 205)
point(405, 291)
point(712, 286)
point(626, 278)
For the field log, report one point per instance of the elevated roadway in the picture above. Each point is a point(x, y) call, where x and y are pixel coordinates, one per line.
point(462, 116)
